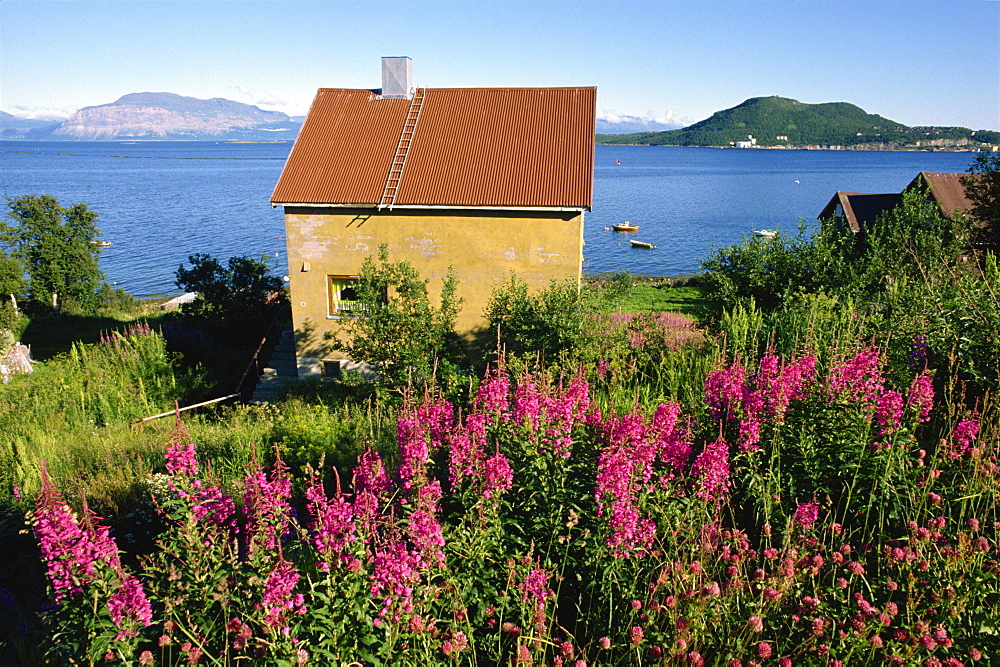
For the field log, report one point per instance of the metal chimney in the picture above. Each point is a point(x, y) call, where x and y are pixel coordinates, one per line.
point(397, 77)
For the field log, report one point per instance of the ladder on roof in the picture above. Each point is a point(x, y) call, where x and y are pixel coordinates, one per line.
point(402, 150)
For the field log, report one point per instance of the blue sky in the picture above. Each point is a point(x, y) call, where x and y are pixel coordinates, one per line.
point(918, 62)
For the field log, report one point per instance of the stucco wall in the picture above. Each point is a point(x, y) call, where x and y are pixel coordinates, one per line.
point(483, 247)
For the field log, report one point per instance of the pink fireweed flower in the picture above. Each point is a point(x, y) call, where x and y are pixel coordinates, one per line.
point(214, 507)
point(806, 514)
point(180, 456)
point(207, 503)
point(724, 390)
point(411, 439)
point(535, 587)
point(498, 476)
point(888, 412)
point(768, 372)
point(423, 527)
point(527, 405)
point(673, 436)
point(420, 431)
point(371, 475)
point(268, 511)
point(857, 379)
point(437, 416)
point(563, 413)
point(279, 599)
point(749, 436)
point(396, 571)
point(552, 414)
point(466, 445)
point(921, 397)
point(628, 434)
point(791, 382)
point(72, 552)
point(625, 464)
point(711, 470)
point(333, 521)
point(962, 436)
point(493, 395)
point(129, 606)
point(372, 490)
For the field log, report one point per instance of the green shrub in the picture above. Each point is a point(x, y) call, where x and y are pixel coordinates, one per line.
point(397, 329)
point(549, 322)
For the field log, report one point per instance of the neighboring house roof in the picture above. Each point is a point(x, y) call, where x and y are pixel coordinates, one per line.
point(946, 190)
point(472, 147)
point(859, 208)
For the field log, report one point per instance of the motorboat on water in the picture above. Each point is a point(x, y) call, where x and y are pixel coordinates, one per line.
point(765, 233)
point(625, 227)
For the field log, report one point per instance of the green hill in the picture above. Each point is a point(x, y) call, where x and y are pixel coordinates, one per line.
point(778, 121)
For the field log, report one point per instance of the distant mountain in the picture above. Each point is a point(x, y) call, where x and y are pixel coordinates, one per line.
point(170, 117)
point(15, 127)
point(633, 124)
point(778, 121)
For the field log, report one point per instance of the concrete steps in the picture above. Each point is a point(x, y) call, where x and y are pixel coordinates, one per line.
point(280, 370)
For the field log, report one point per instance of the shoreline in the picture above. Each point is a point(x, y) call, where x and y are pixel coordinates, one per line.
point(858, 148)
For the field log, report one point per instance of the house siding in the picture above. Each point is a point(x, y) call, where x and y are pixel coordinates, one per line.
point(483, 247)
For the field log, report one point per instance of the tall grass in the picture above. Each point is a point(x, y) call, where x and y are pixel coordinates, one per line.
point(69, 399)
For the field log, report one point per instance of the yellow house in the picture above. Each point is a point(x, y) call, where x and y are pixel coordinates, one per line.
point(488, 181)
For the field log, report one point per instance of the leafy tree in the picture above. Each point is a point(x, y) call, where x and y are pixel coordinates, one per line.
point(11, 286)
point(241, 291)
point(912, 240)
point(57, 246)
point(397, 329)
point(11, 278)
point(982, 187)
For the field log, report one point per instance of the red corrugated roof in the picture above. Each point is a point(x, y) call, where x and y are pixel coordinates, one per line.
point(860, 208)
point(947, 190)
point(473, 147)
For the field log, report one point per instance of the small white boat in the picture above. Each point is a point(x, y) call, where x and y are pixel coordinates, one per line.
point(765, 233)
point(642, 244)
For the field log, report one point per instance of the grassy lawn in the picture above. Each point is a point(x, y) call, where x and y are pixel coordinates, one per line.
point(689, 300)
point(651, 295)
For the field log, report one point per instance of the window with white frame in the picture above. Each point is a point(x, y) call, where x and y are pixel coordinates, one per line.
point(343, 297)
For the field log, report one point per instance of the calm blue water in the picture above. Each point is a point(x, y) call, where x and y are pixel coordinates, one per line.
point(688, 201)
point(162, 201)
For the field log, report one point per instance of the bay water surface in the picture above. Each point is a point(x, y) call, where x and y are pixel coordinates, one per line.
point(159, 202)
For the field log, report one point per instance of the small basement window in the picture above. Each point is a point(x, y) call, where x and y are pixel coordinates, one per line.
point(343, 297)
